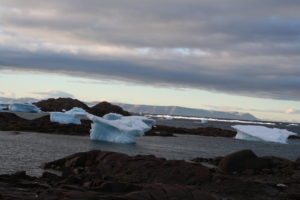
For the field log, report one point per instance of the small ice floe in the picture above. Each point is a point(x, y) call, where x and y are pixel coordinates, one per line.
point(19, 107)
point(281, 185)
point(262, 133)
point(72, 116)
point(168, 117)
point(117, 128)
point(293, 125)
point(204, 121)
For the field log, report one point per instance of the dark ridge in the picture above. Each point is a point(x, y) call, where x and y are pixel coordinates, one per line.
point(104, 108)
point(60, 104)
point(161, 130)
point(11, 122)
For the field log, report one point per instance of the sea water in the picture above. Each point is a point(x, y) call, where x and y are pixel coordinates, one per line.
point(27, 151)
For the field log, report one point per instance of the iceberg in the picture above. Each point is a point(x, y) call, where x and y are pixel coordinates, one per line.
point(4, 106)
point(117, 128)
point(262, 133)
point(72, 116)
point(19, 107)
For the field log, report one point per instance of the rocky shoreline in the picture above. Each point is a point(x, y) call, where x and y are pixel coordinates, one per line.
point(12, 122)
point(109, 175)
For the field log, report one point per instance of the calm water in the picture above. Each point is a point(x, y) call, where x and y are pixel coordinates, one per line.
point(26, 151)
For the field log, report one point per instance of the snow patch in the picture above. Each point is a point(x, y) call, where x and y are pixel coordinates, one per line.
point(262, 133)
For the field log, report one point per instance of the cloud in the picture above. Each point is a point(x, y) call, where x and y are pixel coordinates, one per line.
point(7, 94)
point(292, 111)
point(237, 47)
point(53, 94)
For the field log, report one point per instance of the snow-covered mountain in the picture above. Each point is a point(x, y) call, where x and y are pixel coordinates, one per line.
point(182, 111)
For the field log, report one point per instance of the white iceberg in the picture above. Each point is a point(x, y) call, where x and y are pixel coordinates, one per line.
point(117, 128)
point(72, 116)
point(262, 133)
point(19, 107)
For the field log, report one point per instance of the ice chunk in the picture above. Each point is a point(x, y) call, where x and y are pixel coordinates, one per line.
point(168, 117)
point(204, 121)
point(262, 133)
point(76, 110)
point(72, 116)
point(117, 128)
point(4, 106)
point(112, 116)
point(19, 107)
point(63, 118)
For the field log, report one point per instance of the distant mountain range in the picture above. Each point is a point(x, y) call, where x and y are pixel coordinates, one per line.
point(182, 111)
point(17, 100)
point(161, 110)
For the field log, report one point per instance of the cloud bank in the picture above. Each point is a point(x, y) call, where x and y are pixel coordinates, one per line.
point(236, 47)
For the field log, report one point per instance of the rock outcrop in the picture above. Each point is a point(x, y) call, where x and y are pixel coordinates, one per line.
point(161, 130)
point(104, 108)
point(60, 104)
point(110, 175)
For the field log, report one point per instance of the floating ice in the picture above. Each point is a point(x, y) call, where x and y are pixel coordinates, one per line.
point(293, 125)
point(117, 128)
point(72, 116)
point(262, 133)
point(168, 117)
point(4, 106)
point(204, 121)
point(19, 107)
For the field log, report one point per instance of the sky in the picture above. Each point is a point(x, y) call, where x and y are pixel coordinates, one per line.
point(227, 55)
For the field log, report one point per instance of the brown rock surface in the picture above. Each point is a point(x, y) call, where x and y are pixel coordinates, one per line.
point(109, 175)
point(137, 169)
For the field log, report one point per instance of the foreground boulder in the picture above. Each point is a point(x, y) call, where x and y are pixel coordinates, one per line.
point(243, 160)
point(137, 169)
point(116, 176)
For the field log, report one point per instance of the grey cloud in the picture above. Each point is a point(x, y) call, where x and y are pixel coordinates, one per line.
point(54, 94)
point(253, 46)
